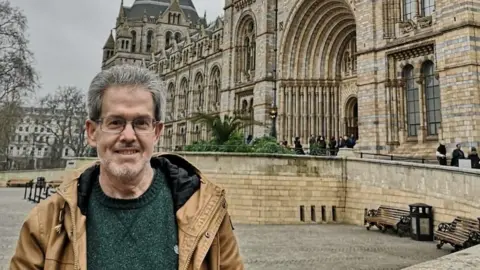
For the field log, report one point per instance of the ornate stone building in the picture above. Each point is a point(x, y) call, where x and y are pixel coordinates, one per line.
point(400, 74)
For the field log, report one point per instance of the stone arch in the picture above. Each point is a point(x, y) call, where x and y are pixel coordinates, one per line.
point(168, 39)
point(198, 96)
point(351, 116)
point(315, 30)
point(215, 85)
point(245, 47)
point(170, 100)
point(183, 97)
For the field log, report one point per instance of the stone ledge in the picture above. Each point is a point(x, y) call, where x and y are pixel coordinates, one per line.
point(468, 259)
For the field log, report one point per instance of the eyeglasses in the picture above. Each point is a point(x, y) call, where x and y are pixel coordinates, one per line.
point(116, 125)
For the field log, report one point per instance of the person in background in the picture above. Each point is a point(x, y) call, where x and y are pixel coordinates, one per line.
point(298, 147)
point(457, 154)
point(442, 154)
point(473, 156)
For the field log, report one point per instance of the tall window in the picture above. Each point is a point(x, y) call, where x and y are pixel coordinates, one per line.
point(432, 98)
point(149, 40)
point(198, 96)
point(249, 47)
point(413, 105)
point(178, 37)
point(134, 41)
point(214, 90)
point(428, 6)
point(182, 96)
point(408, 9)
point(170, 98)
point(168, 39)
point(245, 50)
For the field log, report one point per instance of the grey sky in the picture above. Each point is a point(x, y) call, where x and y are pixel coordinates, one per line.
point(67, 36)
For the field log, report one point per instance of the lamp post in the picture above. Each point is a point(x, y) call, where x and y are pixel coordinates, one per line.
point(273, 108)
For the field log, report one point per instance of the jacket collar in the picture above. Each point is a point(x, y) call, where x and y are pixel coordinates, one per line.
point(183, 179)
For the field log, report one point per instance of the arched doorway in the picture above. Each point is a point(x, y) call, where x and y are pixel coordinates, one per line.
point(351, 117)
point(317, 58)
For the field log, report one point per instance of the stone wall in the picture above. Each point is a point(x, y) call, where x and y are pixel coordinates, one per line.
point(263, 189)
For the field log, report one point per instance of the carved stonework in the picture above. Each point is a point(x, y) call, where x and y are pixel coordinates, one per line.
point(408, 26)
point(241, 4)
point(424, 22)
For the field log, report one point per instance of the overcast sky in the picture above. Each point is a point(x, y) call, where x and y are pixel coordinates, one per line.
point(67, 36)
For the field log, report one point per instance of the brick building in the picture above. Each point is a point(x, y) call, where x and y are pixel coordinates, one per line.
point(400, 74)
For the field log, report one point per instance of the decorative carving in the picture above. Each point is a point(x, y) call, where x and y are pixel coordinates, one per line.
point(407, 26)
point(424, 22)
point(280, 26)
point(241, 4)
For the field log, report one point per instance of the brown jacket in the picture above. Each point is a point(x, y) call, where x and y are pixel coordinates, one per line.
point(54, 233)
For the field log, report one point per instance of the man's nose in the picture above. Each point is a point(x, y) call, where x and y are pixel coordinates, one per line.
point(128, 133)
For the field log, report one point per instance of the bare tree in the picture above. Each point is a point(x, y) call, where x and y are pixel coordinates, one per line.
point(17, 75)
point(10, 116)
point(64, 118)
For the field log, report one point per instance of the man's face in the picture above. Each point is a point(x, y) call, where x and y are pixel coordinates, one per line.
point(127, 153)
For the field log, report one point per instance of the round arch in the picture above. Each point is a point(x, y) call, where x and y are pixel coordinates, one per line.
point(310, 51)
point(351, 116)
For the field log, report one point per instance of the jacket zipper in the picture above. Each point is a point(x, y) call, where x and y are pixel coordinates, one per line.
point(197, 239)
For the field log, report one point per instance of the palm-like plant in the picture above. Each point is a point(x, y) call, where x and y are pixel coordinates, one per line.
point(223, 129)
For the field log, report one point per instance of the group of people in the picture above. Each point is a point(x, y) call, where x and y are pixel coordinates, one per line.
point(457, 155)
point(324, 147)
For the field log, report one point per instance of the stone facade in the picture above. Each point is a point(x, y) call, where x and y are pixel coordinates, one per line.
point(269, 189)
point(401, 75)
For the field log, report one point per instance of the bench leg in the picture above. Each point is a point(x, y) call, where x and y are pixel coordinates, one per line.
point(369, 225)
point(440, 244)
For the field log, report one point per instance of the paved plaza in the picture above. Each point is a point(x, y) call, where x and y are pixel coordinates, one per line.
point(275, 247)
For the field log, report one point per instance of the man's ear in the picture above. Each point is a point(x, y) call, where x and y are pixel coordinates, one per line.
point(91, 128)
point(158, 131)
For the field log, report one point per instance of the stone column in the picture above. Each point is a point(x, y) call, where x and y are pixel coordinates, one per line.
point(322, 110)
point(290, 113)
point(281, 112)
point(422, 131)
point(328, 111)
point(298, 112)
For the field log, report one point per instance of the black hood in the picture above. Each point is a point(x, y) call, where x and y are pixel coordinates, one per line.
point(182, 178)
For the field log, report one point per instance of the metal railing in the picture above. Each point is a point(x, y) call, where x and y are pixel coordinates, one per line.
point(399, 158)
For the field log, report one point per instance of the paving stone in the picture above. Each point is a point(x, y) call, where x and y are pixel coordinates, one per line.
point(275, 247)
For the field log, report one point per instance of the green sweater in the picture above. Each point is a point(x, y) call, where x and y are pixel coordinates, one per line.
point(132, 234)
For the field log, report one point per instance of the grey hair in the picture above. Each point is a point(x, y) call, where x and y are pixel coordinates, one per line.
point(125, 75)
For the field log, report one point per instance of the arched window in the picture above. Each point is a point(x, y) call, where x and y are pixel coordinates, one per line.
point(198, 96)
point(134, 41)
point(170, 98)
point(214, 89)
point(245, 50)
point(412, 102)
point(178, 37)
point(428, 6)
point(149, 40)
point(432, 98)
point(182, 97)
point(168, 39)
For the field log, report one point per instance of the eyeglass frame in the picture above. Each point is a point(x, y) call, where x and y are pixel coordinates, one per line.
point(100, 121)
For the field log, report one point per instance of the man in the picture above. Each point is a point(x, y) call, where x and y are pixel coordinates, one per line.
point(457, 154)
point(130, 210)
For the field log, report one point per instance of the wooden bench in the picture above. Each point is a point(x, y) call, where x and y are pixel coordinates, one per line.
point(386, 217)
point(20, 182)
point(54, 183)
point(461, 233)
